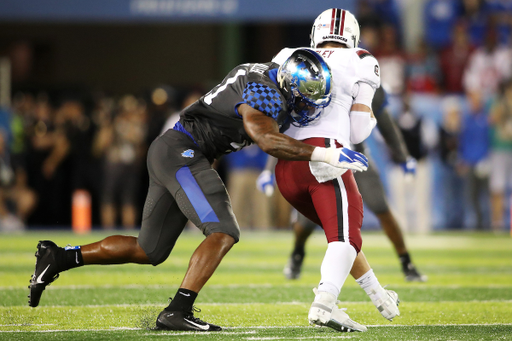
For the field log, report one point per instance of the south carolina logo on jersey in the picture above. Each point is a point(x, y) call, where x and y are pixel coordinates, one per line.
point(188, 153)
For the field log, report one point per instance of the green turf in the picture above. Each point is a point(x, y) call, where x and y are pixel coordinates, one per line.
point(468, 295)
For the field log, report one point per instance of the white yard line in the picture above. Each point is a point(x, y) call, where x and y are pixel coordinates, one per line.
point(156, 305)
point(234, 286)
point(227, 329)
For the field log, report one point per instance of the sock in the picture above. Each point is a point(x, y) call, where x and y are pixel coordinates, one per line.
point(336, 265)
point(370, 284)
point(69, 257)
point(182, 301)
point(299, 250)
point(405, 259)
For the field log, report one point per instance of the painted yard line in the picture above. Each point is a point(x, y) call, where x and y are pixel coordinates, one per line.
point(264, 285)
point(226, 329)
point(300, 337)
point(24, 324)
point(156, 305)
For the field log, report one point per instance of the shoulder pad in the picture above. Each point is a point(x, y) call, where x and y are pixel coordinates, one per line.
point(362, 53)
point(282, 55)
point(369, 70)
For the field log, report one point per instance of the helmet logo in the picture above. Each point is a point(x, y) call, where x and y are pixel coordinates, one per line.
point(377, 70)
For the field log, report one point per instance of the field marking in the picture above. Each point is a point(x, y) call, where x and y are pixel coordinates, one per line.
point(157, 305)
point(25, 324)
point(115, 329)
point(251, 286)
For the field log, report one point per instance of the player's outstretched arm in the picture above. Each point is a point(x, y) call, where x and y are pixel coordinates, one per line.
point(264, 131)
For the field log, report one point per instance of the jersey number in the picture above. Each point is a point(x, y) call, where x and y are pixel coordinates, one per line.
point(209, 97)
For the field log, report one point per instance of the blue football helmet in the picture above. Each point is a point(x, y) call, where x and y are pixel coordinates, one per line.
point(306, 81)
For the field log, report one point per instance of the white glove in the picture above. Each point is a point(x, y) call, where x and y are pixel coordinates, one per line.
point(265, 182)
point(341, 158)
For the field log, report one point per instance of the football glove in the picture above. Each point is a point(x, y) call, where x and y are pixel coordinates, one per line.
point(409, 166)
point(266, 182)
point(341, 158)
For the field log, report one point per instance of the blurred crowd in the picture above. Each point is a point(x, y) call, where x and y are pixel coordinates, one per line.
point(451, 96)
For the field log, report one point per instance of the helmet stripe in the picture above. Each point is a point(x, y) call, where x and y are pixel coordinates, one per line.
point(342, 26)
point(337, 22)
point(333, 19)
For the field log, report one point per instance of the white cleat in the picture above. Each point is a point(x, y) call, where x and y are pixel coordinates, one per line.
point(340, 321)
point(325, 312)
point(388, 305)
point(321, 308)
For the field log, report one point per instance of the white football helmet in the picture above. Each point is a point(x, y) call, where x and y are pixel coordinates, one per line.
point(335, 24)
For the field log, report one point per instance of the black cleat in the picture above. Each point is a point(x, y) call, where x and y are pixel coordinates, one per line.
point(294, 266)
point(180, 320)
point(45, 272)
point(412, 274)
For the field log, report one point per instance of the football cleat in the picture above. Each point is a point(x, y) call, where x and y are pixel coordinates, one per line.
point(412, 274)
point(294, 266)
point(387, 305)
point(185, 321)
point(340, 321)
point(321, 308)
point(325, 312)
point(45, 271)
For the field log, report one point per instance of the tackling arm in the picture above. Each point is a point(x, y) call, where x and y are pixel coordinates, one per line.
point(264, 131)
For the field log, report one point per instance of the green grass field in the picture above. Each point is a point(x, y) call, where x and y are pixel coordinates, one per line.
point(468, 295)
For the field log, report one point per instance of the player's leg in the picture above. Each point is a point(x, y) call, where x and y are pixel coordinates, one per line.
point(52, 260)
point(340, 210)
point(296, 183)
point(372, 191)
point(203, 199)
point(302, 229)
point(386, 301)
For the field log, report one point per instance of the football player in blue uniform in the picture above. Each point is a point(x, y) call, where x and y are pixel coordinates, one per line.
point(251, 105)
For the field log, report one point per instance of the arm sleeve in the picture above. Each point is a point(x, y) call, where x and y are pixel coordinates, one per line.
point(393, 137)
point(271, 163)
point(361, 126)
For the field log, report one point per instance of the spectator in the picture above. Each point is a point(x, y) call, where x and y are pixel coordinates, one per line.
point(392, 61)
point(381, 12)
point(488, 66)
point(412, 195)
point(501, 154)
point(251, 207)
point(452, 188)
point(454, 59)
point(479, 15)
point(423, 71)
point(474, 144)
point(47, 150)
point(439, 17)
point(122, 141)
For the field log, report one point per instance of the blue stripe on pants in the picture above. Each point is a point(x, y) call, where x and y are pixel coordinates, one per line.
point(196, 196)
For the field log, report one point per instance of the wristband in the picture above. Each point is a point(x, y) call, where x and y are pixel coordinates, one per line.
point(319, 154)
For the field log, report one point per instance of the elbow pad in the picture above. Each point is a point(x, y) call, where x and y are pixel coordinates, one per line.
point(361, 126)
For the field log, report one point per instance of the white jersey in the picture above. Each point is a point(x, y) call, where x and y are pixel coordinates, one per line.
point(348, 67)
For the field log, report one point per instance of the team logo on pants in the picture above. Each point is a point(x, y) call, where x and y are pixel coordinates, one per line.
point(188, 153)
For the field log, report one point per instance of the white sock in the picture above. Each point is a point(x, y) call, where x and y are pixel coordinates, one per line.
point(336, 266)
point(370, 284)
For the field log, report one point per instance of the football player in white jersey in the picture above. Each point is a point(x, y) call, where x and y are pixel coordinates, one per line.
point(330, 196)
